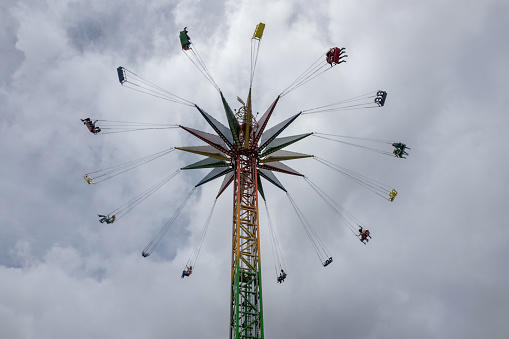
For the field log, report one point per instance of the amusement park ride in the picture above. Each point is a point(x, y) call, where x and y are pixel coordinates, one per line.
point(243, 152)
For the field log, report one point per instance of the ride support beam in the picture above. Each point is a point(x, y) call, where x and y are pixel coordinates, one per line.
point(246, 316)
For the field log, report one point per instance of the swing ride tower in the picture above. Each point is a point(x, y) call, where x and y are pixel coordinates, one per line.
point(246, 312)
point(243, 152)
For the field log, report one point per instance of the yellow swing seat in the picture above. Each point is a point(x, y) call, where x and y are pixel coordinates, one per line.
point(88, 180)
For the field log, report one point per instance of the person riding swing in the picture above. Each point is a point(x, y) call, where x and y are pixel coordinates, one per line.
point(187, 272)
point(106, 219)
point(281, 277)
point(364, 235)
point(91, 125)
point(399, 149)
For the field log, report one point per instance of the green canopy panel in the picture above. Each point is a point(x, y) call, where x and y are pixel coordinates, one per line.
point(228, 179)
point(280, 143)
point(232, 121)
point(214, 174)
point(207, 151)
point(273, 132)
point(211, 139)
point(223, 131)
point(284, 155)
point(269, 176)
point(280, 167)
point(207, 163)
point(260, 187)
point(262, 123)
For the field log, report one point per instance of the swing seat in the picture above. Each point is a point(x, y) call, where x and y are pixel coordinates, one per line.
point(380, 98)
point(121, 75)
point(258, 31)
point(185, 41)
point(393, 195)
point(334, 55)
point(88, 180)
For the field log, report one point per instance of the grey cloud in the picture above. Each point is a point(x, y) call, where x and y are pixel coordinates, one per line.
point(434, 267)
point(115, 27)
point(136, 31)
point(12, 57)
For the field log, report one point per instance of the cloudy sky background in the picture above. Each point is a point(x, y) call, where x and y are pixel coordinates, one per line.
point(436, 266)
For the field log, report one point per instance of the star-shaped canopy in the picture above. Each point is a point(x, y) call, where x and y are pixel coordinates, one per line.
point(247, 136)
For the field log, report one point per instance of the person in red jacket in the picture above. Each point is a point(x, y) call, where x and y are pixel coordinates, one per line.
point(364, 235)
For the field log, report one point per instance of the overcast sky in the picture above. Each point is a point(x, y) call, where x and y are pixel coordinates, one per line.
point(436, 265)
